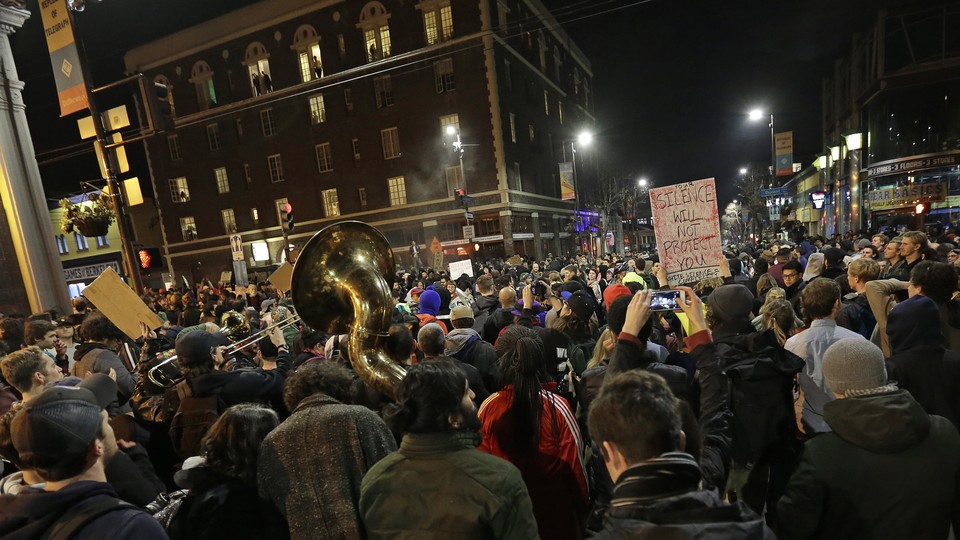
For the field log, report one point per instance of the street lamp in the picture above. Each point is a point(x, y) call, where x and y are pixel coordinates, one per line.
point(458, 148)
point(758, 114)
point(743, 171)
point(584, 139)
point(642, 183)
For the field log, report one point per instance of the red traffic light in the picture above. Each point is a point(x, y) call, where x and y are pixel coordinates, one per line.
point(287, 207)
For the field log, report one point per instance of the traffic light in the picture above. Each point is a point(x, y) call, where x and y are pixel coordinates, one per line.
point(459, 193)
point(922, 208)
point(286, 218)
point(158, 103)
point(149, 258)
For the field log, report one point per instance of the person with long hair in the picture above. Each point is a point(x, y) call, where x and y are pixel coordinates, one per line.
point(223, 501)
point(531, 427)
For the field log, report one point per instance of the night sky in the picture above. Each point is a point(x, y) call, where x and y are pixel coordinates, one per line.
point(673, 79)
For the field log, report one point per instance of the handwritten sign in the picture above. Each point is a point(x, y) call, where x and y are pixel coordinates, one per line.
point(687, 226)
point(459, 268)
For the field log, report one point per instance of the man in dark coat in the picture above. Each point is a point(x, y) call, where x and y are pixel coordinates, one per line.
point(310, 467)
point(501, 318)
point(465, 344)
point(636, 421)
point(887, 470)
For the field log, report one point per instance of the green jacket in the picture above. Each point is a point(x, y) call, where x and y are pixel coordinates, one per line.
point(439, 485)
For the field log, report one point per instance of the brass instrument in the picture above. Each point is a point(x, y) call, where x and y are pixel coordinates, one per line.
point(341, 284)
point(168, 374)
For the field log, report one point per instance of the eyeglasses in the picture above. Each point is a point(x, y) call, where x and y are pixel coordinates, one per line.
point(790, 276)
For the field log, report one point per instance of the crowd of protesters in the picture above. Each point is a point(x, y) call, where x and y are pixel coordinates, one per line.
point(811, 390)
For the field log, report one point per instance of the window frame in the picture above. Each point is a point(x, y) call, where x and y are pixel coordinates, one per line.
point(173, 146)
point(185, 223)
point(233, 220)
point(275, 167)
point(327, 155)
point(444, 77)
point(214, 140)
point(318, 109)
point(268, 126)
point(222, 181)
point(397, 190)
point(177, 187)
point(383, 91)
point(391, 135)
point(331, 202)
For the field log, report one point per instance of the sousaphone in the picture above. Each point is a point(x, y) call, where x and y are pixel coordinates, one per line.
point(341, 284)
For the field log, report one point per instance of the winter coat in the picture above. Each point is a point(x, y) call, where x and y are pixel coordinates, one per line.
point(98, 358)
point(554, 473)
point(887, 470)
point(483, 308)
point(932, 376)
point(243, 385)
point(218, 508)
point(497, 321)
point(30, 515)
point(438, 485)
point(310, 467)
point(465, 345)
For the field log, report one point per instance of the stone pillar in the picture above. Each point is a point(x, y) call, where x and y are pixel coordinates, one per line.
point(537, 242)
point(21, 190)
point(506, 219)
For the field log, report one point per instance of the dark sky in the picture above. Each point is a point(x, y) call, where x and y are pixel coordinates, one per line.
point(673, 79)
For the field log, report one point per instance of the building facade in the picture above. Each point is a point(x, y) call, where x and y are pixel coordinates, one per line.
point(356, 110)
point(891, 124)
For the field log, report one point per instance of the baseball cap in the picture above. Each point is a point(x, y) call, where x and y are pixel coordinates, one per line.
point(580, 303)
point(60, 422)
point(461, 312)
point(612, 292)
point(416, 290)
point(518, 311)
point(195, 347)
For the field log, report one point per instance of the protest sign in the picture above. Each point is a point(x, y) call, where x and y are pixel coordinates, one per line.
point(120, 304)
point(687, 227)
point(459, 268)
point(282, 276)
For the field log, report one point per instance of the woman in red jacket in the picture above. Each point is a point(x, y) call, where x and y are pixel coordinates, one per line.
point(533, 428)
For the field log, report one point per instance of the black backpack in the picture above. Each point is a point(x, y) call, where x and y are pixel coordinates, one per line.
point(85, 511)
point(193, 419)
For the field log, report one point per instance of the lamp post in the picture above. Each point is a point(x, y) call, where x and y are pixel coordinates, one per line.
point(458, 148)
point(584, 139)
point(758, 114)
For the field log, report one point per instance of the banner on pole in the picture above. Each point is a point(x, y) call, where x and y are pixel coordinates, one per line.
point(64, 56)
point(567, 188)
point(687, 227)
point(783, 142)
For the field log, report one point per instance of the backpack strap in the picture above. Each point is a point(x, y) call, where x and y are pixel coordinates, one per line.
point(82, 514)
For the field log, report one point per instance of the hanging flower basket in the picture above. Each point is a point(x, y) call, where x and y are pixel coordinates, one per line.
point(91, 217)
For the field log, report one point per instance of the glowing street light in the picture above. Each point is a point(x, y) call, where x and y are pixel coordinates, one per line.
point(743, 171)
point(755, 114)
point(642, 183)
point(584, 138)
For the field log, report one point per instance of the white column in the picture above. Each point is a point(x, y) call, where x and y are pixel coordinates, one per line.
point(21, 190)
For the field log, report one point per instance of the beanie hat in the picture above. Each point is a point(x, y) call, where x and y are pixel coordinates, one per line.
point(612, 292)
point(195, 348)
point(833, 256)
point(430, 302)
point(914, 322)
point(59, 424)
point(853, 364)
point(731, 302)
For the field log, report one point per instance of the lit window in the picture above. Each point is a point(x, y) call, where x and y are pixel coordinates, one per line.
point(213, 136)
point(398, 191)
point(376, 31)
point(223, 183)
point(257, 61)
point(449, 120)
point(355, 143)
point(81, 242)
point(383, 91)
point(255, 216)
point(390, 139)
point(307, 45)
point(267, 124)
point(276, 168)
point(324, 160)
point(173, 143)
point(202, 78)
point(62, 247)
point(188, 227)
point(513, 128)
point(443, 77)
point(437, 21)
point(179, 192)
point(318, 111)
point(229, 221)
point(102, 242)
point(331, 203)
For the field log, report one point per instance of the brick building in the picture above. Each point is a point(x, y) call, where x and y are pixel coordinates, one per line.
point(342, 108)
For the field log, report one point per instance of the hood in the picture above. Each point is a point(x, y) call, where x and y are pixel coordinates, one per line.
point(84, 348)
point(814, 266)
point(458, 338)
point(884, 423)
point(29, 515)
point(755, 354)
point(430, 302)
point(913, 323)
point(12, 484)
point(487, 303)
point(209, 382)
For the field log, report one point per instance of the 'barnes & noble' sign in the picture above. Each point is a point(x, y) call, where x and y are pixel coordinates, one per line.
point(900, 197)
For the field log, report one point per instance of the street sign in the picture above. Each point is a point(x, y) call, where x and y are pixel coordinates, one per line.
point(467, 199)
point(468, 232)
point(775, 192)
point(236, 247)
point(468, 215)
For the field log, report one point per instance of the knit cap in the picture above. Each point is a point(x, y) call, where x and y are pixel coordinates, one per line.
point(853, 364)
point(731, 302)
point(430, 302)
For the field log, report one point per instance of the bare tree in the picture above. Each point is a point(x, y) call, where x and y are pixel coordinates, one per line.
point(753, 207)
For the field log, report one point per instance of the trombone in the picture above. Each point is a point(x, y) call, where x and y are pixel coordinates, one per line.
point(166, 374)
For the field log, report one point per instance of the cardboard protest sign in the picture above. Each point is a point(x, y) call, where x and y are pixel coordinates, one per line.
point(687, 226)
point(117, 301)
point(461, 267)
point(282, 277)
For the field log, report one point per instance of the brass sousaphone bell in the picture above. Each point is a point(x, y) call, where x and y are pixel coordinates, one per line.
point(341, 284)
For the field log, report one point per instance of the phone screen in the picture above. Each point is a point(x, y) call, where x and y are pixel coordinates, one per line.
point(665, 300)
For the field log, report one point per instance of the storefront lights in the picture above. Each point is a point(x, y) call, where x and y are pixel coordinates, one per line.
point(854, 140)
point(834, 153)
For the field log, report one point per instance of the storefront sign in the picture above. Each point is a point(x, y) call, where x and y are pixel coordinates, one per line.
point(913, 163)
point(818, 198)
point(90, 271)
point(901, 197)
point(523, 236)
point(687, 227)
point(484, 239)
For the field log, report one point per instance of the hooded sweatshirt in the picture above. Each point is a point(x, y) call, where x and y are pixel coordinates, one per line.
point(98, 358)
point(30, 515)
